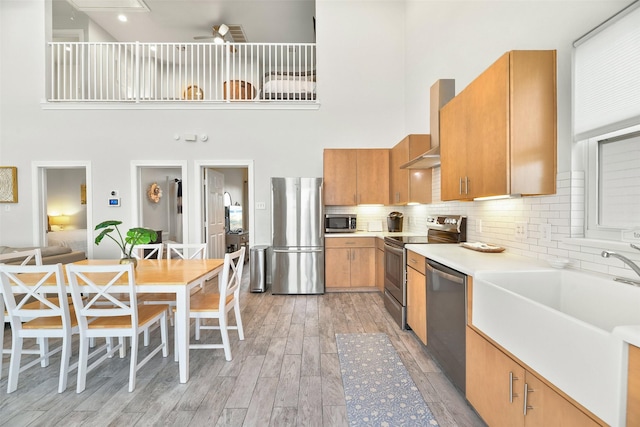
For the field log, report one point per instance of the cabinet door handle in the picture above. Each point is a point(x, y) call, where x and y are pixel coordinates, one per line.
point(512, 378)
point(527, 390)
point(460, 186)
point(466, 187)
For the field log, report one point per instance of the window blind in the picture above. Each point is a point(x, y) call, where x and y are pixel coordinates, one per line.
point(606, 71)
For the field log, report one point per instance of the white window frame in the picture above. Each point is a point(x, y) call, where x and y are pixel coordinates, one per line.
point(592, 229)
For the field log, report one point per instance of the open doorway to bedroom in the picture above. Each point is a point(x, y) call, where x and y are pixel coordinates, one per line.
point(225, 205)
point(63, 203)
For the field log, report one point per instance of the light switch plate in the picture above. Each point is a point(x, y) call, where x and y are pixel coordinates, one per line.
point(521, 229)
point(260, 205)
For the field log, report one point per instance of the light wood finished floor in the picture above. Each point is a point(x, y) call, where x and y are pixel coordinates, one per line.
point(285, 373)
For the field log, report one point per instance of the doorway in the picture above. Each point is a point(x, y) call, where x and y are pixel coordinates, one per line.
point(63, 204)
point(237, 193)
point(161, 202)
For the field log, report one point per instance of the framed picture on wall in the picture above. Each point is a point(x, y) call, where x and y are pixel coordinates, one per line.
point(8, 184)
point(83, 194)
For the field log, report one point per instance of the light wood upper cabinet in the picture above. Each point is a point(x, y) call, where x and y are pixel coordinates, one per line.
point(340, 177)
point(350, 262)
point(417, 295)
point(356, 176)
point(496, 386)
point(409, 185)
point(498, 136)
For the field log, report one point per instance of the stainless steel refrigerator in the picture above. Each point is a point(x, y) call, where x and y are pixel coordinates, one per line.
point(297, 236)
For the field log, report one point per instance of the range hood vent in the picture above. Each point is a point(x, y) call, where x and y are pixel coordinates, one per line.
point(427, 160)
point(442, 91)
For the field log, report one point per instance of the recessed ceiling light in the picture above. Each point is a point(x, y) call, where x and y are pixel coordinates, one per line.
point(122, 18)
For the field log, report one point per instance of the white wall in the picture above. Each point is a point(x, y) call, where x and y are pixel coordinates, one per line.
point(376, 62)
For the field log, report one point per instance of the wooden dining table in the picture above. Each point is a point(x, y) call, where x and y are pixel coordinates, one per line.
point(170, 276)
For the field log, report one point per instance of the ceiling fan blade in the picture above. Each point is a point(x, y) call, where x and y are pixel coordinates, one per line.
point(203, 38)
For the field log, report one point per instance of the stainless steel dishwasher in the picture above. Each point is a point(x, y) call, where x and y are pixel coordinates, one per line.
point(447, 320)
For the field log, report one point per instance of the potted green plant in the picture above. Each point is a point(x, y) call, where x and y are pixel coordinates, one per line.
point(135, 236)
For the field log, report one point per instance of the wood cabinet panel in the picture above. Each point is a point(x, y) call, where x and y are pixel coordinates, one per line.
point(350, 262)
point(372, 176)
point(493, 376)
point(417, 303)
point(363, 267)
point(498, 136)
point(337, 271)
point(339, 176)
point(380, 264)
point(356, 176)
point(546, 408)
point(409, 185)
point(488, 381)
point(633, 387)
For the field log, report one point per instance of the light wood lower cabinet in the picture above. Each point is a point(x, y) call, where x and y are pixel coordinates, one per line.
point(350, 262)
point(499, 388)
point(380, 264)
point(633, 387)
point(417, 295)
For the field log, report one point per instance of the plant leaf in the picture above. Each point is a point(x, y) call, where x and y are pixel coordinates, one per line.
point(100, 236)
point(109, 223)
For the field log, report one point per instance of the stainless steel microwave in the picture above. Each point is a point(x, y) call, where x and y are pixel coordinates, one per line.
point(339, 223)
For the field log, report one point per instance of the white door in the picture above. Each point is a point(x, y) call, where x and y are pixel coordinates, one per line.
point(214, 202)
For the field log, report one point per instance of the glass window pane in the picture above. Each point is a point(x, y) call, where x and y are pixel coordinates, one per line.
point(619, 182)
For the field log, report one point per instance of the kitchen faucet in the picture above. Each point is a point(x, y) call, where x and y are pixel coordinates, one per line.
point(633, 265)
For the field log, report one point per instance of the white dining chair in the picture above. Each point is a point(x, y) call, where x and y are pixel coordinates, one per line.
point(179, 251)
point(218, 305)
point(123, 318)
point(49, 317)
point(31, 256)
point(154, 251)
point(187, 250)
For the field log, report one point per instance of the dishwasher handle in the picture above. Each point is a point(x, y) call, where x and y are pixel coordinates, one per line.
point(453, 278)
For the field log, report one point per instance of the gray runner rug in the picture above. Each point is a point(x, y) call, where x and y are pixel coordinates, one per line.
point(377, 386)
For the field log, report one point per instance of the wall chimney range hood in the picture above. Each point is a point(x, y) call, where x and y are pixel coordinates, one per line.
point(442, 91)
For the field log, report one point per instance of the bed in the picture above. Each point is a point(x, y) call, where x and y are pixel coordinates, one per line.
point(289, 85)
point(74, 239)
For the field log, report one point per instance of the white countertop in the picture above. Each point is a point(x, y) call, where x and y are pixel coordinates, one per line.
point(470, 262)
point(379, 234)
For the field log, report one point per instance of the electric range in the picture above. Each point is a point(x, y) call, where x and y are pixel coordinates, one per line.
point(440, 229)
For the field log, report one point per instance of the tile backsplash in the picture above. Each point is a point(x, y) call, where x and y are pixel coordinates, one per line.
point(554, 224)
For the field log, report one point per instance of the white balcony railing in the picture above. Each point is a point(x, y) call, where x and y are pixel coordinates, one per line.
point(182, 72)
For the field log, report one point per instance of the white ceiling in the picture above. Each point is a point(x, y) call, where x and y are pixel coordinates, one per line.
point(267, 21)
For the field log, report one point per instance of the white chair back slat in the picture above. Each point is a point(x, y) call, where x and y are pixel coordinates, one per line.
point(154, 251)
point(98, 282)
point(231, 276)
point(28, 255)
point(18, 294)
point(187, 250)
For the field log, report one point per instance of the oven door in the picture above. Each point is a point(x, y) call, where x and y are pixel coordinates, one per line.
point(394, 273)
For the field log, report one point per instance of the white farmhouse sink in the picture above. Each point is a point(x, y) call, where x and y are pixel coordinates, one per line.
point(560, 323)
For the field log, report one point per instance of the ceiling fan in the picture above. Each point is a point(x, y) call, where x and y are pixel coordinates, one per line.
point(219, 34)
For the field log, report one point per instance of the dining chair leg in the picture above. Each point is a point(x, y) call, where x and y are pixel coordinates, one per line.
point(236, 311)
point(197, 322)
point(146, 337)
point(82, 363)
point(134, 362)
point(123, 348)
point(225, 337)
point(14, 363)
point(64, 363)
point(175, 341)
point(164, 334)
point(44, 351)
